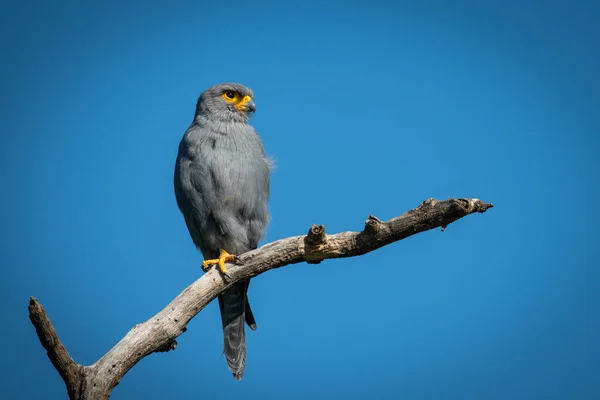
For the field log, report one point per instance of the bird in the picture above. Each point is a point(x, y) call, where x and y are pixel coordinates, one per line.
point(222, 186)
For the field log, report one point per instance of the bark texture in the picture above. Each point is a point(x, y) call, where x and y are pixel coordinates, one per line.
point(158, 334)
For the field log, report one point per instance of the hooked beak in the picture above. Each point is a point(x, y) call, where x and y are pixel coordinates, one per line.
point(250, 106)
point(247, 105)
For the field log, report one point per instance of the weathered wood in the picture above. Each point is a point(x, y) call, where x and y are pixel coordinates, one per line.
point(95, 382)
point(68, 370)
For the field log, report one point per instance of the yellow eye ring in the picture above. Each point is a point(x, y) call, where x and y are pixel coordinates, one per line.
point(230, 96)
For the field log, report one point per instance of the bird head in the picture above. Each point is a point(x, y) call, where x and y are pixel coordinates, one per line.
point(226, 102)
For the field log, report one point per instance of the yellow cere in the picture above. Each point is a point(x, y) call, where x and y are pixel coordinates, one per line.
point(235, 98)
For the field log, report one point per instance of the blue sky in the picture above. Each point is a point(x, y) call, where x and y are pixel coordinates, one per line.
point(367, 108)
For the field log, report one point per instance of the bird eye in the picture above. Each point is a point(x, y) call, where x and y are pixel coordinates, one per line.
point(230, 94)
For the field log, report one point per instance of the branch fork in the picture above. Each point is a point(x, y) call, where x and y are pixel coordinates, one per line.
point(158, 334)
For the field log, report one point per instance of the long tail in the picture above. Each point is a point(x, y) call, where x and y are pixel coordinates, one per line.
point(235, 310)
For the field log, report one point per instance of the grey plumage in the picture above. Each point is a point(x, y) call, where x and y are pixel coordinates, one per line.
point(222, 187)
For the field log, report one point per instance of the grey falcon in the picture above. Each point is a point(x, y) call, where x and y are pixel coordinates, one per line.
point(222, 184)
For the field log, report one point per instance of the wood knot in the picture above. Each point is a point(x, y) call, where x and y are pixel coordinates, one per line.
point(169, 345)
point(373, 224)
point(312, 241)
point(429, 203)
point(316, 235)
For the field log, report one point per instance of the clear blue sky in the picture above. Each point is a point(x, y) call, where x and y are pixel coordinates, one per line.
point(367, 109)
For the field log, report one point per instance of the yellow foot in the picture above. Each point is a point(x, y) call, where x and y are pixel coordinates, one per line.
point(220, 262)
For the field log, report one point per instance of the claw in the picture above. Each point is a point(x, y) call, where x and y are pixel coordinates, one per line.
point(224, 257)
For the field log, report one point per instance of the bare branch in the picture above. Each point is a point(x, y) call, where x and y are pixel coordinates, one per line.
point(159, 332)
point(69, 371)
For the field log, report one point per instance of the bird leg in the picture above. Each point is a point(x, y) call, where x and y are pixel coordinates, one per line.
point(220, 262)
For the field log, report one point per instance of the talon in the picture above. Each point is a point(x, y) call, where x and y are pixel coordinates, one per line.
point(224, 257)
point(207, 263)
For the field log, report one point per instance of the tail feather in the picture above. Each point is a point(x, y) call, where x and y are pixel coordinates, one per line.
point(249, 316)
point(234, 312)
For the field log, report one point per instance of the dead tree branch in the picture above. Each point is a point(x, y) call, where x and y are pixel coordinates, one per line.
point(96, 381)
